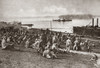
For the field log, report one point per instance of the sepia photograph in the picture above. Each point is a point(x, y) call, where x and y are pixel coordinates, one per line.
point(49, 34)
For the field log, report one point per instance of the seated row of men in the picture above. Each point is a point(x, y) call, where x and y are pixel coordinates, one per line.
point(50, 49)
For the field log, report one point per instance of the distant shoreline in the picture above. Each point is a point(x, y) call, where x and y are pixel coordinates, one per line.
point(75, 15)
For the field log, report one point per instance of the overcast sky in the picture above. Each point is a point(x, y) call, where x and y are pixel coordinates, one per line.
point(30, 8)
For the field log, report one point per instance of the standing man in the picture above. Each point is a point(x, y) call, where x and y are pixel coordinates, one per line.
point(68, 44)
point(76, 44)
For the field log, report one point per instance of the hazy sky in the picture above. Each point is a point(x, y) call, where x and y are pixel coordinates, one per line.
point(29, 8)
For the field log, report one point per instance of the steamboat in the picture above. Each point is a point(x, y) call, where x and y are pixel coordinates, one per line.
point(91, 31)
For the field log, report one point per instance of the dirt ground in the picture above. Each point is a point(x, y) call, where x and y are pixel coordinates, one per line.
point(29, 58)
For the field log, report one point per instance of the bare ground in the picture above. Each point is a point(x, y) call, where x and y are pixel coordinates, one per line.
point(29, 58)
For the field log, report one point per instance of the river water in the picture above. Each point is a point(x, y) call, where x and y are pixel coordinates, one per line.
point(41, 22)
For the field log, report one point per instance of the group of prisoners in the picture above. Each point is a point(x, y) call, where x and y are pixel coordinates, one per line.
point(47, 43)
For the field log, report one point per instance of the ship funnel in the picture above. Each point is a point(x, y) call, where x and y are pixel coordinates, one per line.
point(92, 22)
point(97, 22)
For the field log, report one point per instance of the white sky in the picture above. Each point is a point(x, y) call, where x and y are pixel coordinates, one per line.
point(30, 8)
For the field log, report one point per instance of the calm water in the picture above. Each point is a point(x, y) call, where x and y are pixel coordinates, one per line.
point(48, 23)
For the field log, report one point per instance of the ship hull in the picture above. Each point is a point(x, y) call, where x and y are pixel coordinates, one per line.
point(87, 31)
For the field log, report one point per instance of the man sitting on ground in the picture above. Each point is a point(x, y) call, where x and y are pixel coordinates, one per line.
point(7, 44)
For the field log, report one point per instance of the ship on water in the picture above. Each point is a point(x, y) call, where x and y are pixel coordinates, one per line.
point(91, 30)
point(62, 20)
